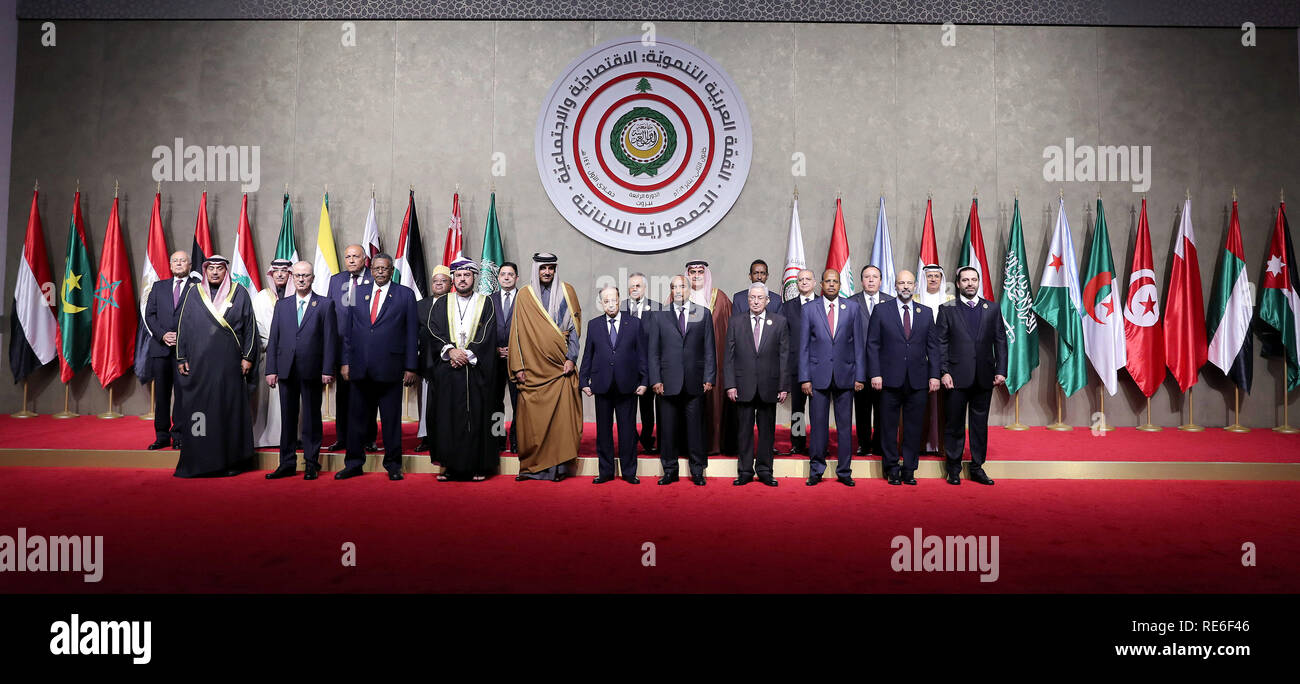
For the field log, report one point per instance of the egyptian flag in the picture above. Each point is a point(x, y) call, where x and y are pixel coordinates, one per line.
point(112, 347)
point(157, 262)
point(202, 248)
point(1227, 323)
point(838, 256)
point(1143, 336)
point(409, 267)
point(34, 333)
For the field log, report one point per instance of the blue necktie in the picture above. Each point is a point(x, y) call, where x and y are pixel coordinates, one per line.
point(302, 307)
point(613, 334)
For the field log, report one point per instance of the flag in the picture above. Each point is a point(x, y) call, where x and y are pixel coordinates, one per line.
point(1059, 303)
point(370, 239)
point(493, 252)
point(115, 317)
point(286, 247)
point(1017, 306)
point(972, 251)
point(156, 263)
point(202, 248)
point(1103, 329)
point(882, 254)
point(243, 267)
point(1227, 323)
point(1278, 304)
point(838, 256)
point(326, 261)
point(451, 248)
point(74, 299)
point(34, 332)
point(929, 250)
point(1185, 349)
point(794, 259)
point(1143, 335)
point(408, 267)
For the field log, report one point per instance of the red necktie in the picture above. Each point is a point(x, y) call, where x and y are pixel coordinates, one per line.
point(374, 305)
point(830, 318)
point(907, 321)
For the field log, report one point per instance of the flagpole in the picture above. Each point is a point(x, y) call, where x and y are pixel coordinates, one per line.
point(1059, 425)
point(1149, 426)
point(110, 413)
point(24, 413)
point(1285, 428)
point(66, 412)
point(1236, 406)
point(1017, 425)
point(325, 403)
point(406, 398)
point(148, 415)
point(1191, 425)
point(1101, 408)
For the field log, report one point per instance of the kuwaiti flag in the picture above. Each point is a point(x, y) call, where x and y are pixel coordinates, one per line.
point(244, 269)
point(1185, 350)
point(1279, 306)
point(451, 249)
point(326, 261)
point(929, 248)
point(202, 248)
point(370, 238)
point(838, 255)
point(1144, 338)
point(112, 347)
point(408, 268)
point(1103, 329)
point(157, 262)
point(882, 254)
point(794, 259)
point(972, 252)
point(1227, 323)
point(1058, 302)
point(34, 333)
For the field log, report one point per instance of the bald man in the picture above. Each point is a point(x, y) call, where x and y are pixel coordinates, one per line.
point(354, 275)
point(161, 311)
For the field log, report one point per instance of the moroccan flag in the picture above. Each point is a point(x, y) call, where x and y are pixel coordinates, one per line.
point(409, 269)
point(75, 296)
point(286, 247)
point(794, 258)
point(1227, 323)
point(1143, 336)
point(1058, 302)
point(1103, 329)
point(34, 332)
point(202, 248)
point(157, 263)
point(838, 255)
point(882, 254)
point(370, 237)
point(1017, 306)
point(1185, 349)
point(115, 318)
point(972, 251)
point(451, 249)
point(1279, 307)
point(243, 267)
point(929, 248)
point(493, 252)
point(326, 261)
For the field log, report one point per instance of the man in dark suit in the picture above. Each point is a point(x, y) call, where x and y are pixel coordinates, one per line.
point(341, 292)
point(867, 401)
point(614, 371)
point(792, 310)
point(379, 357)
point(757, 274)
point(301, 355)
point(503, 302)
point(832, 366)
point(757, 375)
point(682, 366)
point(973, 358)
point(903, 357)
point(639, 304)
point(160, 314)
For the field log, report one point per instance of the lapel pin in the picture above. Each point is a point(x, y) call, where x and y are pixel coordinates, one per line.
point(769, 321)
point(986, 305)
point(367, 297)
point(842, 307)
point(313, 303)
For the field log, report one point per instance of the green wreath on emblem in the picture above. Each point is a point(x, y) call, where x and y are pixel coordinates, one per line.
point(635, 167)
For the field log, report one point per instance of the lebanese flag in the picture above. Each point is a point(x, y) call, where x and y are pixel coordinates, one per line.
point(929, 250)
point(1144, 338)
point(112, 341)
point(1279, 305)
point(202, 248)
point(156, 263)
point(972, 250)
point(451, 248)
point(243, 270)
point(838, 256)
point(1185, 349)
point(34, 338)
point(1227, 323)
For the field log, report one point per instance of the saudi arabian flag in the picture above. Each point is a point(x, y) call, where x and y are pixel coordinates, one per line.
point(1017, 306)
point(285, 247)
point(1059, 302)
point(75, 296)
point(493, 253)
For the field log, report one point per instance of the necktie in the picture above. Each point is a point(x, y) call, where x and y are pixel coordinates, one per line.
point(510, 304)
point(871, 303)
point(907, 321)
point(971, 304)
point(302, 306)
point(681, 319)
point(758, 332)
point(830, 317)
point(176, 293)
point(613, 334)
point(374, 305)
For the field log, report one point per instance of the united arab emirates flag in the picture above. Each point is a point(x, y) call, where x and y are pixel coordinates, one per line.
point(1059, 302)
point(1017, 306)
point(493, 253)
point(1228, 320)
point(75, 297)
point(1279, 305)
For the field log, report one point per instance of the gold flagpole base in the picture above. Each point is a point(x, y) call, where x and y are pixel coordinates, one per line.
point(1060, 427)
point(1017, 426)
point(406, 404)
point(1286, 429)
point(146, 416)
point(64, 414)
point(1105, 427)
point(1192, 427)
point(1148, 427)
point(110, 414)
point(1237, 427)
point(23, 414)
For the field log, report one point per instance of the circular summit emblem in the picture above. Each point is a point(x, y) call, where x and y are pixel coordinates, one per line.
point(643, 147)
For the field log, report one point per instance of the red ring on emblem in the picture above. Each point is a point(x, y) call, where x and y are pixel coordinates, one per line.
point(600, 149)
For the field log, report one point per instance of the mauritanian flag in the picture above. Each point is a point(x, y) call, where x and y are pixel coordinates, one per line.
point(75, 297)
point(929, 248)
point(1185, 349)
point(202, 248)
point(972, 251)
point(34, 332)
point(286, 247)
point(326, 261)
point(1143, 336)
point(838, 255)
point(408, 266)
point(794, 258)
point(882, 253)
point(157, 264)
point(1017, 306)
point(493, 252)
point(451, 249)
point(1103, 328)
point(1227, 322)
point(1059, 303)
point(115, 321)
point(243, 267)
point(1279, 306)
point(370, 237)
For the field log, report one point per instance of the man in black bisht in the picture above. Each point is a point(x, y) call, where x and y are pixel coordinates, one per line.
point(216, 348)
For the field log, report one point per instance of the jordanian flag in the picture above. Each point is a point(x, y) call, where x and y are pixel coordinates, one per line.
point(1017, 306)
point(1279, 307)
point(1103, 325)
point(285, 247)
point(1059, 303)
point(493, 253)
point(75, 296)
point(1231, 305)
point(972, 251)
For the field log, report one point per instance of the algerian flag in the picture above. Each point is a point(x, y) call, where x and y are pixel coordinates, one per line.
point(1017, 306)
point(285, 247)
point(493, 253)
point(1103, 323)
point(326, 262)
point(1059, 303)
point(882, 254)
point(1231, 306)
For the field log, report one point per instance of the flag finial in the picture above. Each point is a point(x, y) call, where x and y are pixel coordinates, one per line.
point(928, 195)
point(78, 185)
point(372, 191)
point(975, 192)
point(115, 186)
point(796, 191)
point(1016, 191)
point(492, 187)
point(1234, 194)
point(1281, 194)
point(1189, 194)
point(412, 187)
point(158, 187)
point(1060, 193)
point(458, 188)
point(38, 185)
point(1099, 195)
point(327, 188)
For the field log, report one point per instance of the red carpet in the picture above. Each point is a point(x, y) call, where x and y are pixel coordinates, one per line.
point(245, 534)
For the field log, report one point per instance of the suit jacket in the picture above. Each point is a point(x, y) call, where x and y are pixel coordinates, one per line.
point(160, 315)
point(793, 312)
point(382, 350)
point(972, 357)
point(831, 361)
point(861, 299)
point(503, 323)
point(339, 283)
point(305, 350)
point(683, 363)
point(903, 361)
point(740, 301)
point(620, 367)
point(759, 373)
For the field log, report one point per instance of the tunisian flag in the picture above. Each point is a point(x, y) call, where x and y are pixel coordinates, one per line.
point(1143, 336)
point(838, 256)
point(451, 249)
point(112, 347)
point(1185, 348)
point(929, 249)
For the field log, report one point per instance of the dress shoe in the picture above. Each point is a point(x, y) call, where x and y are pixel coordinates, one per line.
point(602, 479)
point(337, 446)
point(370, 447)
point(395, 475)
point(698, 480)
point(159, 444)
point(954, 479)
point(631, 479)
point(894, 480)
point(521, 478)
point(742, 481)
point(422, 445)
point(980, 477)
point(909, 479)
point(860, 452)
point(346, 473)
point(311, 474)
point(232, 472)
point(650, 451)
point(813, 480)
point(846, 481)
point(282, 471)
point(176, 444)
point(769, 481)
point(668, 479)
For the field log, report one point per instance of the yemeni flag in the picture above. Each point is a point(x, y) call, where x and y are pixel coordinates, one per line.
point(243, 270)
point(882, 254)
point(1227, 323)
point(202, 248)
point(1144, 338)
point(326, 262)
point(794, 258)
point(409, 267)
point(451, 249)
point(972, 251)
point(1059, 303)
point(370, 237)
point(1279, 307)
point(75, 297)
point(156, 263)
point(33, 331)
point(493, 253)
point(286, 247)
point(1017, 306)
point(1185, 349)
point(838, 255)
point(1103, 330)
point(115, 318)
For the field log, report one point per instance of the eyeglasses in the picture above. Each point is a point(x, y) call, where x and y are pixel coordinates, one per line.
point(304, 276)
